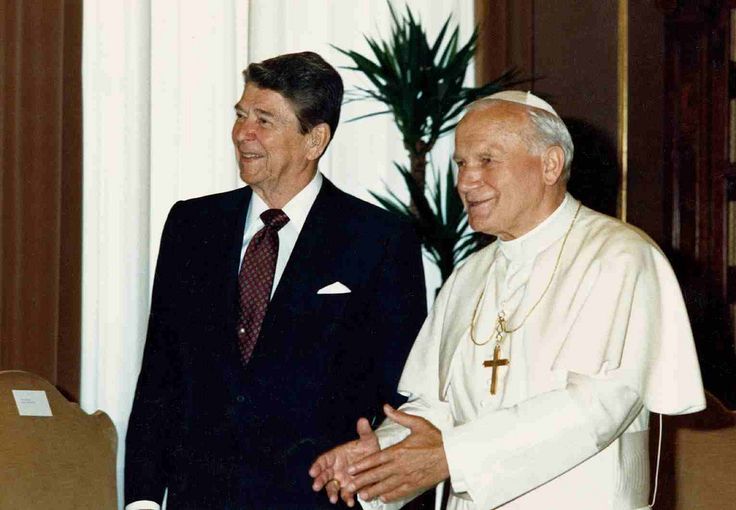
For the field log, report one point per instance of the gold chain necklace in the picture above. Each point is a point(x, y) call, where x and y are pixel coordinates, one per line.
point(502, 328)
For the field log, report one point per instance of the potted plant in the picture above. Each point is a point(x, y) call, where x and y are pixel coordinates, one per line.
point(422, 86)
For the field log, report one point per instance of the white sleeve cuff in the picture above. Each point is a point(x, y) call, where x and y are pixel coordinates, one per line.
point(454, 462)
point(608, 406)
point(390, 433)
point(143, 504)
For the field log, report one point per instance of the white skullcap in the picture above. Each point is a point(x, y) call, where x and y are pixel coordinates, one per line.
point(525, 98)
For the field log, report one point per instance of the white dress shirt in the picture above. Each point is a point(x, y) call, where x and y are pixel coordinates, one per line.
point(297, 210)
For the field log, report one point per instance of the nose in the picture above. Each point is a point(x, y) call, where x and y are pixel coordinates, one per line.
point(467, 179)
point(243, 130)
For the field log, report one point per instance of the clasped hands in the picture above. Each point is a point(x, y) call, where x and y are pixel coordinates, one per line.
point(361, 467)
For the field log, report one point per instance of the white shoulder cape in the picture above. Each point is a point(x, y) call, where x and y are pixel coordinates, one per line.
point(617, 307)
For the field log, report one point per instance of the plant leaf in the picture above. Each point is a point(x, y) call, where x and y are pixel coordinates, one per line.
point(422, 85)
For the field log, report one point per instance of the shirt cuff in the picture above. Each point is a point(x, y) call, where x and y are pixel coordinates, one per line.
point(390, 433)
point(143, 504)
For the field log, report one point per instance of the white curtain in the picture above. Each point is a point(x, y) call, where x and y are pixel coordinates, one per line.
point(160, 78)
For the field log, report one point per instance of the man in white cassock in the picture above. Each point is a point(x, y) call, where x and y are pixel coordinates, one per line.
point(531, 382)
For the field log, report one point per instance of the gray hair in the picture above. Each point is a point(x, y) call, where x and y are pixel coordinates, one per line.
point(548, 130)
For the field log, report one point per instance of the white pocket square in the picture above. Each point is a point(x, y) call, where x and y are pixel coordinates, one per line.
point(334, 288)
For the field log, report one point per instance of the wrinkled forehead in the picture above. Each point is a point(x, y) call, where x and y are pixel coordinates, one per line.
point(493, 118)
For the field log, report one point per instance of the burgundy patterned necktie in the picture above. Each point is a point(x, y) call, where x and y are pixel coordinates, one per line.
point(256, 279)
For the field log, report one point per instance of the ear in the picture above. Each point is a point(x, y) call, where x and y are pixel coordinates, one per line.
point(317, 140)
point(553, 161)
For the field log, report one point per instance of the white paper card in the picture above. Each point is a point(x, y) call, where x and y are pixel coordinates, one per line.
point(32, 403)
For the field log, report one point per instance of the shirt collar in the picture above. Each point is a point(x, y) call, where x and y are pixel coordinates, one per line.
point(543, 235)
point(296, 209)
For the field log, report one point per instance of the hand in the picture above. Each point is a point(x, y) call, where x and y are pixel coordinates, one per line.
point(332, 465)
point(407, 468)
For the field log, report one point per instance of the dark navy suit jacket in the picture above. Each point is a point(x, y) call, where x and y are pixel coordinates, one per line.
point(222, 436)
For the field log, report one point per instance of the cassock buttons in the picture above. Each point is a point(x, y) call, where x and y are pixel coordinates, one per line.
point(240, 399)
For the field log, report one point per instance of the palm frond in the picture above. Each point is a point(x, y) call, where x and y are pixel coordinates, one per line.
point(373, 114)
point(439, 218)
point(421, 83)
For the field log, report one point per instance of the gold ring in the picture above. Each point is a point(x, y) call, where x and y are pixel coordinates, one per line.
point(335, 482)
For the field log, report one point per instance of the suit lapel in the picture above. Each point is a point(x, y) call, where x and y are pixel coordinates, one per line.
point(229, 246)
point(226, 244)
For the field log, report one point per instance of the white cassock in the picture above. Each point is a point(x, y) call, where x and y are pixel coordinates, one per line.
point(609, 342)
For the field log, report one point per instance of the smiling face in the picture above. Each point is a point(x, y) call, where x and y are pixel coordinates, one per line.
point(274, 157)
point(506, 187)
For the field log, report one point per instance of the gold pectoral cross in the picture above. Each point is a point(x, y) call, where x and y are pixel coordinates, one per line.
point(494, 364)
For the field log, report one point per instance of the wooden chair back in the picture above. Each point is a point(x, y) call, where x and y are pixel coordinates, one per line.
point(698, 465)
point(65, 461)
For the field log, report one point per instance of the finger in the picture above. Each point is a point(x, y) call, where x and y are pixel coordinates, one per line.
point(402, 491)
point(407, 420)
point(348, 497)
point(315, 470)
point(363, 427)
point(323, 461)
point(333, 491)
point(371, 477)
point(321, 480)
point(380, 489)
point(372, 461)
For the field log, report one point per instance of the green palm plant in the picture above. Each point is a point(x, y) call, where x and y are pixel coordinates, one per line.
point(439, 219)
point(422, 86)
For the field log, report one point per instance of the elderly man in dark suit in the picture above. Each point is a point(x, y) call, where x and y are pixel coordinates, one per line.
point(280, 313)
